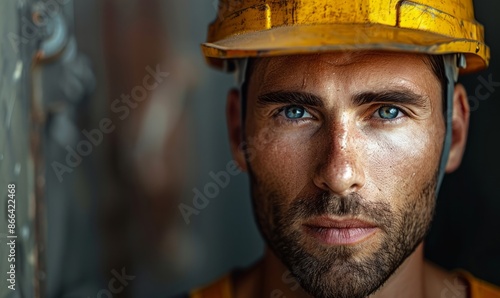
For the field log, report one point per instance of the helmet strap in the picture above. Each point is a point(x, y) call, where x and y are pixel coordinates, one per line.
point(451, 64)
point(240, 73)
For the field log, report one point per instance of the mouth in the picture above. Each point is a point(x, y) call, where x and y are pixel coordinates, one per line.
point(339, 232)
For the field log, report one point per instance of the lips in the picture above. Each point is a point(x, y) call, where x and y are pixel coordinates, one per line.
point(339, 232)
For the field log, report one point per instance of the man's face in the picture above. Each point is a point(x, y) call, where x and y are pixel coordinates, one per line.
point(343, 170)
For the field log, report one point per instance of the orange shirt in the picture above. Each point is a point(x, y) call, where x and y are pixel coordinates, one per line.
point(479, 288)
point(220, 289)
point(223, 288)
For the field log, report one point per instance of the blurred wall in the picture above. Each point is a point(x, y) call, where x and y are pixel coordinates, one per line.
point(149, 169)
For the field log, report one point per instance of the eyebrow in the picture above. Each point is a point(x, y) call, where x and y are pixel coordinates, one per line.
point(309, 99)
point(290, 97)
point(391, 96)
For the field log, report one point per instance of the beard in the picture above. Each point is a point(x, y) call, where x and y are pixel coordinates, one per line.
point(354, 271)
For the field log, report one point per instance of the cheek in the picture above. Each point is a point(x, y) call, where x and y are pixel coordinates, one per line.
point(280, 161)
point(404, 159)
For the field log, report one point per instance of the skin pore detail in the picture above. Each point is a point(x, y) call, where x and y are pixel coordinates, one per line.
point(343, 189)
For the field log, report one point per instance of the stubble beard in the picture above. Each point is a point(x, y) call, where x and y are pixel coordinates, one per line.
point(342, 271)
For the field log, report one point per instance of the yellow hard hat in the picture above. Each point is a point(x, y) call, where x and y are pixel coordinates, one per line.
point(263, 28)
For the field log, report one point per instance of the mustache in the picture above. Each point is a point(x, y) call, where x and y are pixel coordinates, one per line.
point(352, 205)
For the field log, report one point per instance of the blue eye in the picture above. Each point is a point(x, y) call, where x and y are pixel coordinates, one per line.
point(295, 112)
point(388, 112)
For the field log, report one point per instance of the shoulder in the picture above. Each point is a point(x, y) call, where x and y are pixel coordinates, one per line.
point(479, 288)
point(222, 288)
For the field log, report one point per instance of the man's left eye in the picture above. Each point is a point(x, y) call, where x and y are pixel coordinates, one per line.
point(388, 112)
point(295, 112)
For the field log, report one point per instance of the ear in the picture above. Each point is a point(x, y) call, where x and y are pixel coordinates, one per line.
point(460, 127)
point(235, 127)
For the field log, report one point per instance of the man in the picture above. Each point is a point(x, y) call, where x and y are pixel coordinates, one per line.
point(347, 118)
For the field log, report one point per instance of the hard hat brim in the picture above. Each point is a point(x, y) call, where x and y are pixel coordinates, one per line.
point(308, 39)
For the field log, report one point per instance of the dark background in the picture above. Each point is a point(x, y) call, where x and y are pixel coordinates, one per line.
point(466, 229)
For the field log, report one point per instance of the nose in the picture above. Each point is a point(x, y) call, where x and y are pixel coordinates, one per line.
point(340, 166)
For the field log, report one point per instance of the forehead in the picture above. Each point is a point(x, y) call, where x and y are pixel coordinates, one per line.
point(342, 69)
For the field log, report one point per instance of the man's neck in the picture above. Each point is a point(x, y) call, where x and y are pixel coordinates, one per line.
point(414, 279)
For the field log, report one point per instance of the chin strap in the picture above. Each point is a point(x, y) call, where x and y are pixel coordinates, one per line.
point(451, 64)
